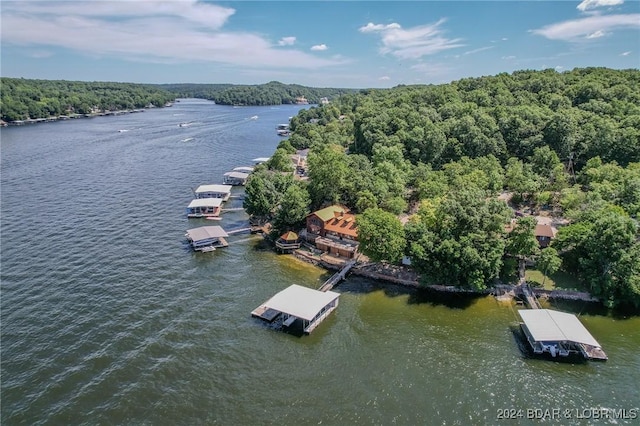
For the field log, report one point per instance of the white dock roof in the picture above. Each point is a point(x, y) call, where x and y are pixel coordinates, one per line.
point(224, 189)
point(550, 325)
point(206, 232)
point(243, 169)
point(205, 202)
point(301, 302)
point(237, 175)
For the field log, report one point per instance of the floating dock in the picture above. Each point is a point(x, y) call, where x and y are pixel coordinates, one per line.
point(559, 334)
point(298, 305)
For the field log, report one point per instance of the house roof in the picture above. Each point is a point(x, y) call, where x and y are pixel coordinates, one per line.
point(344, 224)
point(544, 231)
point(206, 202)
point(223, 189)
point(289, 236)
point(301, 302)
point(329, 212)
point(205, 233)
point(547, 325)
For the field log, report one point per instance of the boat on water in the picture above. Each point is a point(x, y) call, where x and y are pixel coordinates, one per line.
point(185, 124)
point(253, 117)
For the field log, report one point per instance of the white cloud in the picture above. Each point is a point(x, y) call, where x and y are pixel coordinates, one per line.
point(286, 41)
point(558, 68)
point(371, 27)
point(592, 4)
point(508, 57)
point(153, 31)
point(319, 47)
point(504, 39)
point(627, 53)
point(576, 29)
point(481, 49)
point(384, 78)
point(597, 34)
point(412, 43)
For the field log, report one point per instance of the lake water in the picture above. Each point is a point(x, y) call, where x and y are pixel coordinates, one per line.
point(108, 318)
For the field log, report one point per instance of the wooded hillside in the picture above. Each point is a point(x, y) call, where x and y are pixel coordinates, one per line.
point(566, 145)
point(24, 98)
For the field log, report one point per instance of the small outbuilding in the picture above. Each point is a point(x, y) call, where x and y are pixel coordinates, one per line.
point(288, 242)
point(298, 304)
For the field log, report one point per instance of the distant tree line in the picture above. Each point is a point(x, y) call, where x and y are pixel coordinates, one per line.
point(24, 98)
point(424, 166)
point(272, 93)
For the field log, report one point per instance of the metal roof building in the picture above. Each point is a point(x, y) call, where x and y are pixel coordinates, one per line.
point(297, 302)
point(558, 333)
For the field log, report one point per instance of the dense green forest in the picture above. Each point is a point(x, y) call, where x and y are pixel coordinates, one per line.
point(23, 98)
point(272, 93)
point(427, 165)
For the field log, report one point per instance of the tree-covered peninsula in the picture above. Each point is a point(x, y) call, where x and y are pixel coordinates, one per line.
point(428, 170)
point(23, 99)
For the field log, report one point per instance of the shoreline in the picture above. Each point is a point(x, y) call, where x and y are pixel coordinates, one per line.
point(400, 275)
point(17, 123)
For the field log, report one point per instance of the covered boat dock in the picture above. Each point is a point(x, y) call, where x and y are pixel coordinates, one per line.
point(295, 302)
point(235, 178)
point(213, 191)
point(207, 238)
point(204, 207)
point(558, 334)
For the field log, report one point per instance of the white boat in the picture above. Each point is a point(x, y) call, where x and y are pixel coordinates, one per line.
point(254, 117)
point(185, 124)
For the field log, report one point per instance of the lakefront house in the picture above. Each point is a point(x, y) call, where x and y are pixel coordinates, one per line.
point(333, 230)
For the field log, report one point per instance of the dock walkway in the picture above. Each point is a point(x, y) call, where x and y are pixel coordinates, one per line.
point(337, 277)
point(531, 299)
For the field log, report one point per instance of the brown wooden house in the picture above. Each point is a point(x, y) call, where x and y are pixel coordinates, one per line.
point(333, 230)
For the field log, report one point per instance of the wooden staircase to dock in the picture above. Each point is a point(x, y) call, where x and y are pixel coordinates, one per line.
point(337, 277)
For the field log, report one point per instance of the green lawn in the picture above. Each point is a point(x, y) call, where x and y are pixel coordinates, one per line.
point(559, 280)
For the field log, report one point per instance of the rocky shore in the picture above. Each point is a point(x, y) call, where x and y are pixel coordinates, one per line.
point(402, 275)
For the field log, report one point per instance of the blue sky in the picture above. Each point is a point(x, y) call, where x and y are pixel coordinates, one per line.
point(353, 44)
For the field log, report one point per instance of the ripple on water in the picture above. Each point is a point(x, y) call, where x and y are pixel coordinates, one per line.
point(108, 319)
